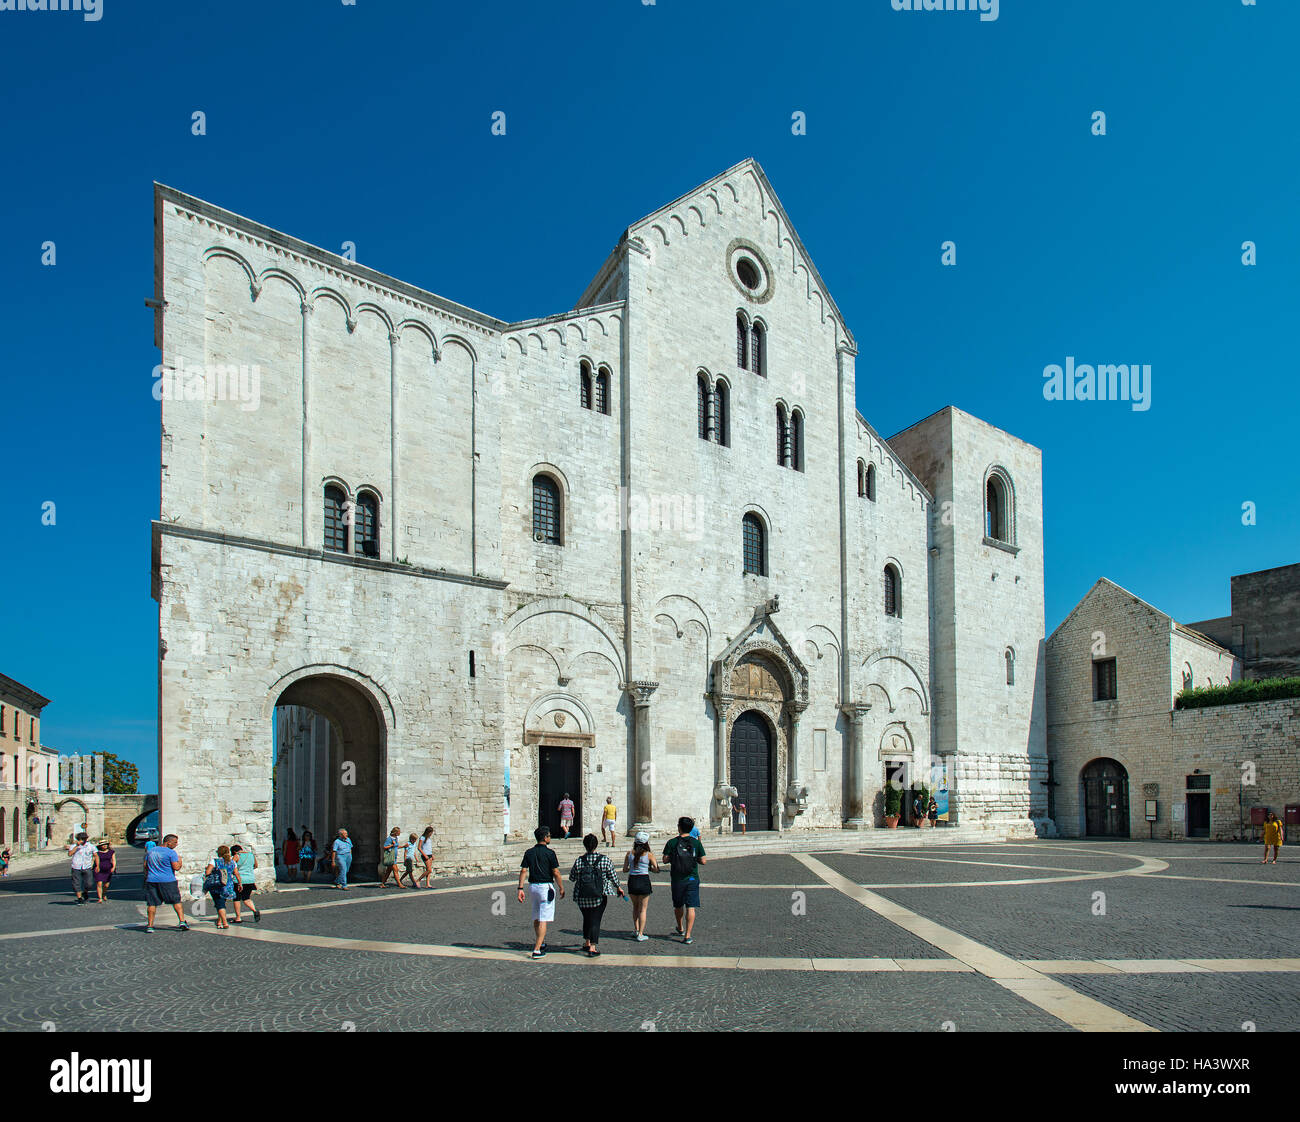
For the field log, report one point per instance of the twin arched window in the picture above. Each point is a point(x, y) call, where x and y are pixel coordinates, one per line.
point(751, 345)
point(789, 438)
point(345, 521)
point(593, 392)
point(546, 510)
point(893, 592)
point(755, 545)
point(866, 481)
point(712, 410)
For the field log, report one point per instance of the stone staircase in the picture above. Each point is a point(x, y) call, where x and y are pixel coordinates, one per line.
point(812, 841)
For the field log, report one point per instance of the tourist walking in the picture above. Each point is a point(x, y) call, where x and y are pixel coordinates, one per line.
point(307, 855)
point(83, 867)
point(161, 864)
point(220, 881)
point(683, 855)
point(425, 854)
point(4, 861)
point(609, 819)
point(934, 810)
point(594, 882)
point(639, 864)
point(342, 850)
point(246, 862)
point(105, 867)
point(541, 868)
point(566, 814)
point(408, 860)
point(393, 852)
point(1272, 836)
point(291, 852)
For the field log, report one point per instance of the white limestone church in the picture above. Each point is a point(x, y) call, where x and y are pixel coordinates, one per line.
point(645, 549)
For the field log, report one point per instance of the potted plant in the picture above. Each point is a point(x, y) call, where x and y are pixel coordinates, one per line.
point(893, 805)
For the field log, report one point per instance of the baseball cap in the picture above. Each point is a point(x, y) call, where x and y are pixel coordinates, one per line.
point(642, 837)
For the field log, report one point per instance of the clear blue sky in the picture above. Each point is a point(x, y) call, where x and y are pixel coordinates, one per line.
point(370, 123)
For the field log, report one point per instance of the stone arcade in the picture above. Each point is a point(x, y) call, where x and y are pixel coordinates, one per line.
point(411, 537)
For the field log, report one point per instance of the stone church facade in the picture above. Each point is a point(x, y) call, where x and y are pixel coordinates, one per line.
point(645, 549)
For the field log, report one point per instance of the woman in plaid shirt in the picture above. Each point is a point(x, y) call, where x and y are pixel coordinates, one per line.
point(594, 881)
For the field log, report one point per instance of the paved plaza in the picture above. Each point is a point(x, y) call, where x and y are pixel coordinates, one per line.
point(1034, 936)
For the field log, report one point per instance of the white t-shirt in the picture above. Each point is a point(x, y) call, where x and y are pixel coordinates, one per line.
point(426, 846)
point(83, 857)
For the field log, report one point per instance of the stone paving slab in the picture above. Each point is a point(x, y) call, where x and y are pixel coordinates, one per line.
point(752, 922)
point(1145, 918)
point(1200, 1002)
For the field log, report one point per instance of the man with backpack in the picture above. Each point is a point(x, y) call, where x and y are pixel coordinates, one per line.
point(683, 856)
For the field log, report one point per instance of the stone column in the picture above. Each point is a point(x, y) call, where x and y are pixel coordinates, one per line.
point(722, 791)
point(306, 420)
point(855, 818)
point(643, 765)
point(796, 796)
point(392, 443)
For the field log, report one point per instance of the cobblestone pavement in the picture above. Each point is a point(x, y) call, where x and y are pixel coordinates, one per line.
point(786, 949)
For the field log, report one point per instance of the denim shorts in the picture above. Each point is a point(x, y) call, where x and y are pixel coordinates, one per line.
point(686, 893)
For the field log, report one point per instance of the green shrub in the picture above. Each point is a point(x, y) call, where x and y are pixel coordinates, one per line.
point(1238, 693)
point(893, 800)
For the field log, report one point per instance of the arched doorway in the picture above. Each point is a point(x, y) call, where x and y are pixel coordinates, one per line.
point(329, 770)
point(1105, 799)
point(751, 768)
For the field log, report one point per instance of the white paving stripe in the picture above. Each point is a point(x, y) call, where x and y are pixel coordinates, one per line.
point(1053, 997)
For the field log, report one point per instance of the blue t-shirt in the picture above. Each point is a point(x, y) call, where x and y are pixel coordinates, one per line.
point(343, 848)
point(158, 865)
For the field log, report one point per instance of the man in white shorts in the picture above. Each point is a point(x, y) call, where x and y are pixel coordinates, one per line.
point(541, 868)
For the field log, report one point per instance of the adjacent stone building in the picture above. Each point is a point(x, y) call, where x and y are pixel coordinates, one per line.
point(1263, 630)
point(645, 549)
point(1115, 666)
point(29, 771)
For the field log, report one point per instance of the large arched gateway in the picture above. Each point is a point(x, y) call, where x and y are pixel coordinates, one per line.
point(330, 766)
point(1105, 799)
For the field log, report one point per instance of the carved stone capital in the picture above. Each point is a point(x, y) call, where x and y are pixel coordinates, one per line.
point(641, 691)
point(855, 710)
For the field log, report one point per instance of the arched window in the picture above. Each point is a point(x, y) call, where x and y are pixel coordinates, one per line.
point(1188, 683)
point(336, 519)
point(742, 341)
point(722, 413)
point(871, 482)
point(546, 510)
point(758, 349)
point(367, 524)
point(702, 407)
point(584, 384)
point(862, 480)
point(755, 545)
point(602, 391)
point(796, 440)
point(893, 594)
point(1010, 657)
point(999, 524)
point(782, 437)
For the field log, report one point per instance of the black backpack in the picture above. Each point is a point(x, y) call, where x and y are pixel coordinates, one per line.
point(591, 881)
point(683, 863)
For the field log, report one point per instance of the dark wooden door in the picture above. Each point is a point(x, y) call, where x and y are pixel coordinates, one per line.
point(1105, 799)
point(561, 774)
point(1198, 815)
point(751, 769)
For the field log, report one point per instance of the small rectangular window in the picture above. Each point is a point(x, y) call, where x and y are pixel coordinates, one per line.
point(471, 664)
point(1198, 782)
point(1104, 683)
